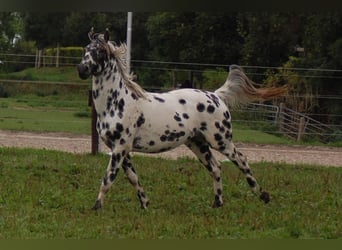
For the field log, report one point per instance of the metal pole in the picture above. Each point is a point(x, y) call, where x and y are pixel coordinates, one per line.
point(129, 40)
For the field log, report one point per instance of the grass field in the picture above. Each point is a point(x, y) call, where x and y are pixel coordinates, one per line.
point(47, 194)
point(45, 114)
point(53, 74)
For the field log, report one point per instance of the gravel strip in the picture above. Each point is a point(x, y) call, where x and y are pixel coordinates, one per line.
point(316, 155)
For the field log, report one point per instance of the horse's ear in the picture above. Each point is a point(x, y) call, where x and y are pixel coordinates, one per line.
point(90, 34)
point(106, 35)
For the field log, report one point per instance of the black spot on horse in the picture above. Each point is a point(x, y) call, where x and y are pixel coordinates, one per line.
point(108, 76)
point(141, 120)
point(251, 182)
point(95, 94)
point(226, 124)
point(215, 99)
point(226, 115)
point(105, 180)
point(228, 135)
point(121, 105)
point(163, 138)
point(112, 177)
point(134, 96)
point(200, 107)
point(115, 135)
point(211, 109)
point(218, 137)
point(185, 116)
point(159, 99)
point(203, 126)
point(112, 113)
point(177, 117)
point(115, 94)
point(119, 127)
point(182, 101)
point(151, 143)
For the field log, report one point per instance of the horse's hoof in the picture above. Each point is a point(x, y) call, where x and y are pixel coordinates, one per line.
point(265, 197)
point(144, 205)
point(217, 203)
point(97, 205)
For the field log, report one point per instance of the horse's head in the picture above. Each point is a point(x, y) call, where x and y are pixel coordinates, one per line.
point(96, 55)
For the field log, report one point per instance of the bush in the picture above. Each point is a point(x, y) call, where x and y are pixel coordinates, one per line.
point(212, 79)
point(68, 55)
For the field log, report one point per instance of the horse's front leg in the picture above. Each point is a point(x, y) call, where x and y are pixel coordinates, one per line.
point(113, 168)
point(133, 179)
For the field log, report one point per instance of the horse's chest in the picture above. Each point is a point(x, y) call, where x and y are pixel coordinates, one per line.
point(116, 127)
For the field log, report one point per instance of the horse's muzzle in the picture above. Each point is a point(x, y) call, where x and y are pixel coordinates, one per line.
point(83, 71)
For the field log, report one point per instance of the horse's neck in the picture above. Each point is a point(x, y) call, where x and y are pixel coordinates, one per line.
point(107, 89)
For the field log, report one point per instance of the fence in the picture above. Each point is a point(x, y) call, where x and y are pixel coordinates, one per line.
point(299, 126)
point(290, 123)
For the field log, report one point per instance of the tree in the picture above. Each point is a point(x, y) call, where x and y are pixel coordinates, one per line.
point(10, 29)
point(78, 24)
point(194, 37)
point(268, 38)
point(46, 29)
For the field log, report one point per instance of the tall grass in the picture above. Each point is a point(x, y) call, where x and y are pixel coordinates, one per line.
point(47, 194)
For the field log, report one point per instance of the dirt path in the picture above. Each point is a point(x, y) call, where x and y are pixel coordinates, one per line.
point(326, 156)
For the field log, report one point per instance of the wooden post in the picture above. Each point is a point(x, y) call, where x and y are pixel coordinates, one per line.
point(301, 129)
point(281, 116)
point(44, 59)
point(36, 59)
point(39, 58)
point(95, 143)
point(57, 56)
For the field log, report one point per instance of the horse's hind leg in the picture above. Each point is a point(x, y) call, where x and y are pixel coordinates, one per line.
point(201, 149)
point(241, 162)
point(133, 179)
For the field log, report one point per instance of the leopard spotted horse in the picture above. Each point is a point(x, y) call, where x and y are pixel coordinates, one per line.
point(130, 119)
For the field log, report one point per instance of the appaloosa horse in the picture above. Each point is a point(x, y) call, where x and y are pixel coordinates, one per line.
point(132, 119)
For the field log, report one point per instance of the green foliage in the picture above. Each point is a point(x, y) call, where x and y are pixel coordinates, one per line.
point(53, 192)
point(193, 37)
point(67, 55)
point(10, 28)
point(302, 95)
point(213, 79)
point(153, 78)
point(265, 42)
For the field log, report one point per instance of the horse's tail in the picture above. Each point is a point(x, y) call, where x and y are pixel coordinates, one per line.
point(239, 89)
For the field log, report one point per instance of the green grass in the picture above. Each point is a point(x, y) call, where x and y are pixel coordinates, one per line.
point(53, 74)
point(47, 194)
point(54, 113)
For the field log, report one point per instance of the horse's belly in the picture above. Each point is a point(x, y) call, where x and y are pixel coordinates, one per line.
point(160, 142)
